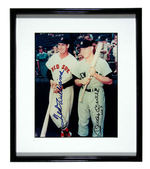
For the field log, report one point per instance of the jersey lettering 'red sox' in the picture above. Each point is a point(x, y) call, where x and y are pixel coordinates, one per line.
point(57, 66)
point(61, 103)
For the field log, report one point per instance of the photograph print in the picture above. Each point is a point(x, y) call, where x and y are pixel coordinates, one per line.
point(76, 84)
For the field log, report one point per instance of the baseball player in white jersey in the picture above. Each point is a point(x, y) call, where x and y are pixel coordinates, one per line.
point(61, 96)
point(93, 103)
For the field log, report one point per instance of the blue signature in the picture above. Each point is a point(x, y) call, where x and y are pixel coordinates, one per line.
point(59, 101)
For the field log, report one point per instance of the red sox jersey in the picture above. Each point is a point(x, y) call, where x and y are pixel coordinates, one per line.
point(60, 104)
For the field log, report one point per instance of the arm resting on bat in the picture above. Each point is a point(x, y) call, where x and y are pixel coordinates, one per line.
point(69, 83)
point(104, 79)
point(81, 82)
point(65, 85)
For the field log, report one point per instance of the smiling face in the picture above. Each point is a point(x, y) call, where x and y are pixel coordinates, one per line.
point(63, 48)
point(86, 52)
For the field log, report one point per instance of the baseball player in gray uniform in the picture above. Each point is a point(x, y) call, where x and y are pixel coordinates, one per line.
point(61, 66)
point(93, 102)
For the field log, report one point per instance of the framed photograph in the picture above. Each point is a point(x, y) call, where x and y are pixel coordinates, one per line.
point(76, 84)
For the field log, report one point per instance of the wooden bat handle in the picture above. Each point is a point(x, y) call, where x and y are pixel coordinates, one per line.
point(83, 91)
point(46, 120)
point(45, 125)
point(82, 94)
point(99, 47)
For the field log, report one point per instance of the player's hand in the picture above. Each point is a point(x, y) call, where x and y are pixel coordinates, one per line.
point(92, 71)
point(57, 89)
point(86, 80)
point(53, 84)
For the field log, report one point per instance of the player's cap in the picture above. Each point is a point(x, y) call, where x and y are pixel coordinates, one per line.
point(64, 40)
point(85, 43)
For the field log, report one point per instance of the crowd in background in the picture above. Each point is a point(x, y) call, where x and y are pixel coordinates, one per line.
point(46, 46)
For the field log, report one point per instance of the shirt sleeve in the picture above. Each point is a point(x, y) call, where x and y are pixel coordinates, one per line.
point(74, 67)
point(109, 75)
point(70, 82)
point(104, 68)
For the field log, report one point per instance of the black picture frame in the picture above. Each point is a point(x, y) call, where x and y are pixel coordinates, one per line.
point(73, 11)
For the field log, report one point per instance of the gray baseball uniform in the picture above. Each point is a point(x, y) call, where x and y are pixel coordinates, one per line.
point(93, 104)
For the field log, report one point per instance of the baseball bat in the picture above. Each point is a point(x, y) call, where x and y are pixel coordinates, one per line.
point(46, 120)
point(98, 49)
